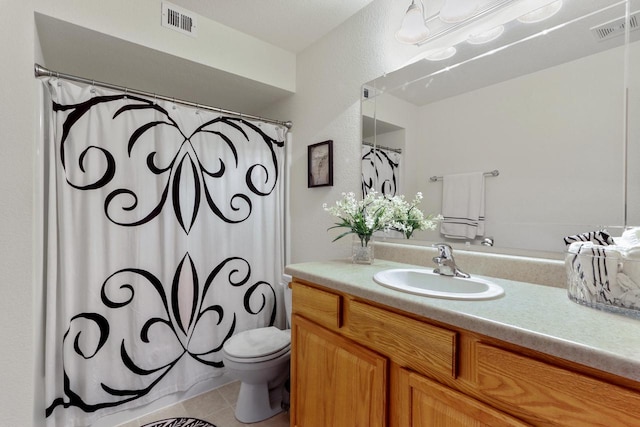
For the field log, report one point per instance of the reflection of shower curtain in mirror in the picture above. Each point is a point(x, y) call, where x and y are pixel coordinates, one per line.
point(164, 238)
point(380, 171)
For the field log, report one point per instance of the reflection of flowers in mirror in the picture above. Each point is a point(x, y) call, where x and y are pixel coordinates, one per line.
point(407, 217)
point(377, 212)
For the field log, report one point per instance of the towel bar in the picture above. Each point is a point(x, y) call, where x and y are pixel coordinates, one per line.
point(494, 172)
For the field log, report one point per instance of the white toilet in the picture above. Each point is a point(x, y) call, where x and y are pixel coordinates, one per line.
point(259, 358)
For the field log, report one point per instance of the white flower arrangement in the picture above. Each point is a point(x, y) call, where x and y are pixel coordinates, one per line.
point(377, 212)
point(407, 217)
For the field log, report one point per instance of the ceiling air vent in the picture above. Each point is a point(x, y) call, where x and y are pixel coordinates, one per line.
point(616, 27)
point(178, 19)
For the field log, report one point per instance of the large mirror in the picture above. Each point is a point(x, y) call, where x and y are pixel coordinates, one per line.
point(553, 107)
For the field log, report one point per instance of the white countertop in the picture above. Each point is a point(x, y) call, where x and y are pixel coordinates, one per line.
point(533, 316)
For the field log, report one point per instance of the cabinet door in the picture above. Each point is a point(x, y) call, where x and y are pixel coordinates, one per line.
point(335, 381)
point(429, 404)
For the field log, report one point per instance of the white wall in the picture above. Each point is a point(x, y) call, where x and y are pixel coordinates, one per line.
point(17, 141)
point(327, 106)
point(394, 139)
point(633, 190)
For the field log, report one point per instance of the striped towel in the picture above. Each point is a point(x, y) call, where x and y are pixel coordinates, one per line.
point(463, 205)
point(598, 267)
point(600, 237)
point(591, 263)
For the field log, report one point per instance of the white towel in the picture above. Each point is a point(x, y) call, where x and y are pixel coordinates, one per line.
point(463, 205)
point(631, 263)
point(630, 238)
point(630, 297)
point(629, 246)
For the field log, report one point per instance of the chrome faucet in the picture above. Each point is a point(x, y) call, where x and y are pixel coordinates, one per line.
point(446, 263)
point(487, 241)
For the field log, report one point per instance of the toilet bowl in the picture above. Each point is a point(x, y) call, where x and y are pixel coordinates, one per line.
point(259, 358)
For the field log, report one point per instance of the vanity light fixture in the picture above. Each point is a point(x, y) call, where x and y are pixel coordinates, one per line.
point(486, 36)
point(456, 15)
point(540, 14)
point(413, 28)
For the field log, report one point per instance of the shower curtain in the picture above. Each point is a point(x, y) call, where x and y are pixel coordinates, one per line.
point(164, 238)
point(380, 170)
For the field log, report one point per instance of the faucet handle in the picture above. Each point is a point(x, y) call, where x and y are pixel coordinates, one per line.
point(444, 249)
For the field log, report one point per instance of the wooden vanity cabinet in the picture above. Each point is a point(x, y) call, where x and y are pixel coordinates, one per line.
point(357, 363)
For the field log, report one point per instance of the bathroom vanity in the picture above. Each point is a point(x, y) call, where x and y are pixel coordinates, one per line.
point(364, 355)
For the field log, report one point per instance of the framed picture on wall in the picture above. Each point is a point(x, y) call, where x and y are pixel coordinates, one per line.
point(320, 164)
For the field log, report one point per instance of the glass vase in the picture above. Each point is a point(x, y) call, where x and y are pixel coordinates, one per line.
point(362, 250)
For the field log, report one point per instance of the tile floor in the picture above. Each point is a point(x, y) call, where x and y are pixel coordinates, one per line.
point(216, 406)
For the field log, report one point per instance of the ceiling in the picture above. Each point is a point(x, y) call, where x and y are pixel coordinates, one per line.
point(79, 51)
point(292, 25)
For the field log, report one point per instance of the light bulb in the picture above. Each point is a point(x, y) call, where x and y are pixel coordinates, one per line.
point(540, 14)
point(454, 11)
point(413, 29)
point(486, 36)
point(441, 54)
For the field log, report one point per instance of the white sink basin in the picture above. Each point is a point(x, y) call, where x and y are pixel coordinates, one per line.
point(423, 281)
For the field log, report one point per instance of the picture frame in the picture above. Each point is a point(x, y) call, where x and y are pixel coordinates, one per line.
point(320, 164)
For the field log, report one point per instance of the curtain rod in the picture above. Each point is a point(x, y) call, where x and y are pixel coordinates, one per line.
point(395, 150)
point(41, 71)
point(494, 172)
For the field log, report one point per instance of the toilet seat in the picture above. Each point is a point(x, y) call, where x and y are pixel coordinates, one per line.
point(258, 345)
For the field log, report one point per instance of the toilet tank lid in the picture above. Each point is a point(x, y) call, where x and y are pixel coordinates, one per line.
point(258, 342)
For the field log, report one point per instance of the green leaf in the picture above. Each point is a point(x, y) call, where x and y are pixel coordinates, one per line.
point(342, 235)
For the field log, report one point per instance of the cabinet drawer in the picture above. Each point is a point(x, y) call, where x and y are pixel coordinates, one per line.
point(417, 345)
point(547, 392)
point(317, 305)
